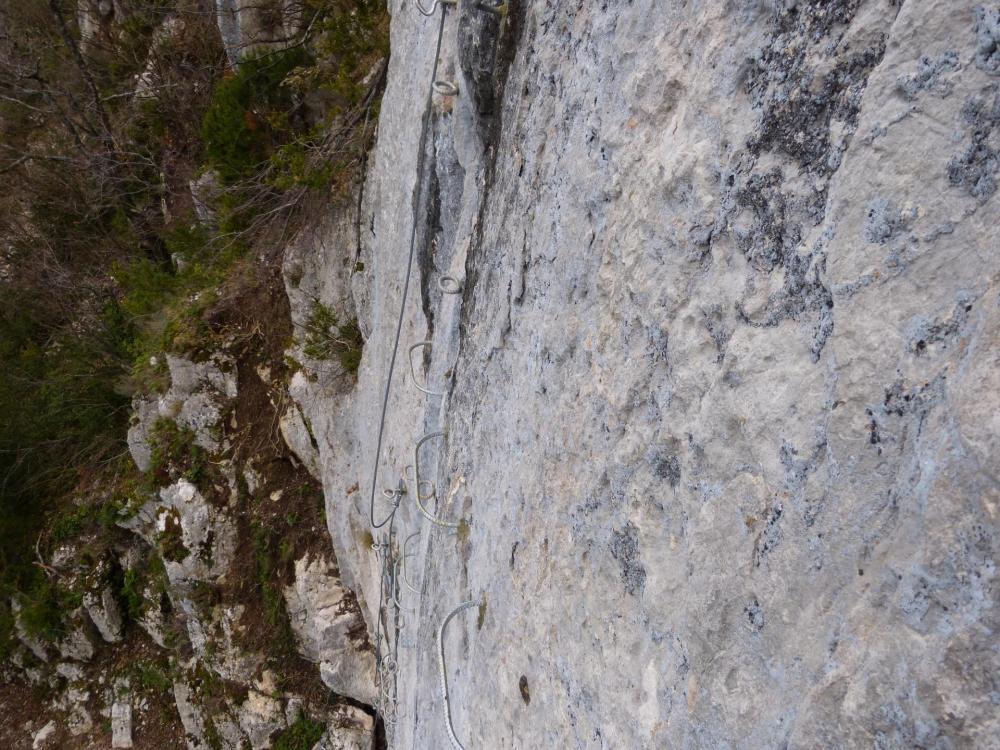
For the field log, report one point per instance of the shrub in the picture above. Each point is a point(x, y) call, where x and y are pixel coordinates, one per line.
point(42, 607)
point(131, 593)
point(174, 453)
point(303, 734)
point(327, 338)
point(247, 113)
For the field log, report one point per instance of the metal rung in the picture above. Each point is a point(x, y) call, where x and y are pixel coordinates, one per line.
point(434, 6)
point(417, 481)
point(413, 374)
point(450, 285)
point(444, 674)
point(445, 88)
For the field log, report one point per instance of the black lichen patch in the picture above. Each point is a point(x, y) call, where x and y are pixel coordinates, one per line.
point(902, 414)
point(929, 76)
point(988, 39)
point(882, 221)
point(522, 685)
point(769, 537)
point(666, 466)
point(772, 236)
point(483, 57)
point(940, 331)
point(976, 168)
point(804, 81)
point(714, 320)
point(754, 614)
point(625, 549)
point(804, 295)
point(800, 103)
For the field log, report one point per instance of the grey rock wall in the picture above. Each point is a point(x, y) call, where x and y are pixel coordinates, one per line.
point(721, 385)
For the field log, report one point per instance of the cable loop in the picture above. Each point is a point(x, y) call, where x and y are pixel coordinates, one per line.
point(413, 374)
point(444, 674)
point(416, 473)
point(450, 285)
point(445, 88)
point(499, 8)
point(434, 6)
point(406, 556)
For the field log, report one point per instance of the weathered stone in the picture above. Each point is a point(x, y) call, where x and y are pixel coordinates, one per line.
point(192, 718)
point(205, 193)
point(349, 728)
point(720, 380)
point(31, 642)
point(330, 630)
point(195, 401)
point(260, 718)
point(44, 737)
point(152, 620)
point(102, 606)
point(298, 437)
point(78, 719)
point(249, 27)
point(70, 671)
point(121, 724)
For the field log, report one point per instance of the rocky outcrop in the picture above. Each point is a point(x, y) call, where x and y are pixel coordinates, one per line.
point(121, 724)
point(715, 382)
point(297, 434)
point(249, 27)
point(330, 629)
point(27, 639)
point(350, 729)
point(195, 400)
point(102, 606)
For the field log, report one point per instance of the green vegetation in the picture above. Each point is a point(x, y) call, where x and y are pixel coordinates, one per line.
point(171, 539)
point(150, 677)
point(272, 556)
point(174, 454)
point(303, 734)
point(104, 268)
point(327, 338)
point(131, 593)
point(42, 609)
point(249, 112)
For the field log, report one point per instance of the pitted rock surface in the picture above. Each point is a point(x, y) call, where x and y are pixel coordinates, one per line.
point(721, 382)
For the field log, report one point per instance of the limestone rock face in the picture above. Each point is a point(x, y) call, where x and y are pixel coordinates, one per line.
point(205, 191)
point(102, 606)
point(721, 379)
point(330, 630)
point(298, 437)
point(261, 716)
point(121, 724)
point(249, 27)
point(76, 645)
point(206, 534)
point(198, 392)
point(349, 729)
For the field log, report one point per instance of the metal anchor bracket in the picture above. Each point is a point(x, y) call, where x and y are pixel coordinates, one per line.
point(450, 285)
point(434, 6)
point(445, 88)
point(444, 674)
point(413, 374)
point(498, 8)
point(416, 475)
